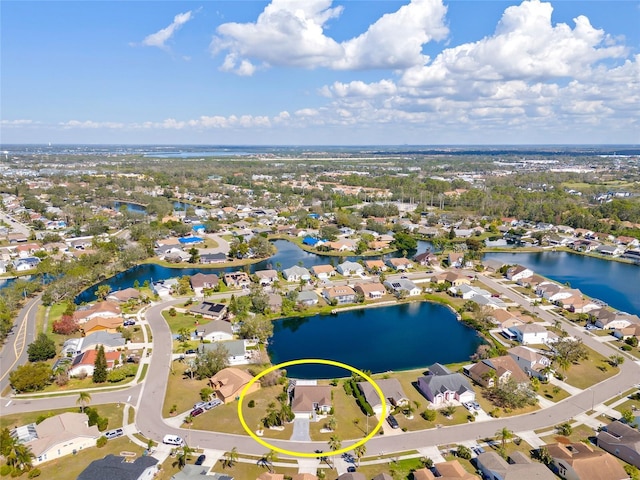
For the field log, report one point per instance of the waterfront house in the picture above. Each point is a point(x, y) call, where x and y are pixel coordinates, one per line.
point(468, 292)
point(296, 274)
point(27, 263)
point(112, 466)
point(339, 295)
point(57, 436)
point(530, 333)
point(274, 302)
point(530, 361)
point(505, 319)
point(85, 362)
point(237, 280)
point(216, 311)
point(605, 318)
point(201, 281)
point(531, 282)
point(392, 392)
point(621, 440)
point(209, 258)
point(403, 286)
point(610, 250)
point(270, 476)
point(122, 296)
point(370, 291)
point(579, 461)
point(517, 272)
point(311, 399)
point(492, 266)
point(266, 277)
point(350, 268)
point(375, 266)
point(85, 313)
point(454, 278)
point(342, 245)
point(493, 466)
point(400, 264)
point(632, 330)
point(307, 298)
point(451, 470)
point(547, 289)
point(426, 259)
point(214, 331)
point(500, 369)
point(228, 383)
point(352, 476)
point(455, 259)
point(441, 386)
point(236, 349)
point(323, 272)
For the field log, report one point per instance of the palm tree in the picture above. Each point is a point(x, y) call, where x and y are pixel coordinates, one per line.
point(504, 435)
point(332, 424)
point(268, 459)
point(84, 399)
point(230, 457)
point(20, 457)
point(335, 443)
point(185, 453)
point(359, 452)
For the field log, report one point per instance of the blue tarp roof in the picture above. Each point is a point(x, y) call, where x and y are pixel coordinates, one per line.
point(310, 241)
point(190, 240)
point(197, 227)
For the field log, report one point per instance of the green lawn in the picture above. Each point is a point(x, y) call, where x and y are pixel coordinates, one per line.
point(183, 320)
point(549, 392)
point(588, 372)
point(249, 471)
point(109, 410)
point(181, 391)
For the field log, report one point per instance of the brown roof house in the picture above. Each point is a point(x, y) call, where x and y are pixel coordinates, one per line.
point(392, 391)
point(200, 281)
point(102, 324)
point(621, 440)
point(451, 470)
point(58, 436)
point(493, 466)
point(579, 461)
point(228, 383)
point(370, 290)
point(311, 399)
point(487, 371)
point(125, 295)
point(100, 309)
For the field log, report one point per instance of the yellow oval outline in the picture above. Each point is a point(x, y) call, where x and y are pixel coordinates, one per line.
point(323, 362)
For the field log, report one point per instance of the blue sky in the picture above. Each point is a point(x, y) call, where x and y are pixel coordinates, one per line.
point(320, 72)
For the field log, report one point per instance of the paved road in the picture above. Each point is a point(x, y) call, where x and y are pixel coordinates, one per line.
point(14, 351)
point(15, 225)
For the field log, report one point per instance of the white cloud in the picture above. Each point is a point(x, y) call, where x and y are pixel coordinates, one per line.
point(160, 38)
point(16, 123)
point(91, 124)
point(291, 33)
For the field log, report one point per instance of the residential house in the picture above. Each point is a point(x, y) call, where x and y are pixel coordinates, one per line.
point(102, 324)
point(604, 318)
point(487, 371)
point(236, 349)
point(455, 259)
point(85, 362)
point(339, 295)
point(122, 296)
point(531, 282)
point(214, 331)
point(209, 258)
point(621, 440)
point(493, 467)
point(342, 245)
point(580, 461)
point(375, 266)
point(307, 298)
point(270, 476)
point(547, 289)
point(505, 319)
point(392, 392)
point(303, 476)
point(266, 277)
point(610, 250)
point(237, 280)
point(468, 292)
point(352, 476)
point(197, 472)
point(323, 272)
point(24, 264)
point(350, 268)
point(491, 302)
point(517, 272)
point(451, 470)
point(378, 245)
point(296, 274)
point(228, 383)
point(530, 333)
point(632, 330)
point(57, 436)
point(441, 386)
point(530, 361)
point(370, 291)
point(274, 302)
point(27, 250)
point(112, 466)
point(85, 313)
point(426, 259)
point(400, 264)
point(216, 311)
point(403, 286)
point(492, 266)
point(309, 399)
point(454, 278)
point(201, 281)
point(110, 341)
point(629, 242)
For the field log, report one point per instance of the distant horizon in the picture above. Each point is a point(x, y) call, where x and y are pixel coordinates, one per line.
point(354, 145)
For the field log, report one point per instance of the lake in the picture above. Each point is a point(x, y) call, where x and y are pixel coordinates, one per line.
point(616, 283)
point(402, 337)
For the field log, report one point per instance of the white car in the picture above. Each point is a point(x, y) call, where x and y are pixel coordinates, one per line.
point(173, 440)
point(118, 432)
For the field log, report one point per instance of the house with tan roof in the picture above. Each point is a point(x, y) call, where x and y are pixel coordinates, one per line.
point(323, 272)
point(401, 264)
point(228, 383)
point(100, 309)
point(493, 466)
point(392, 392)
point(309, 399)
point(237, 280)
point(487, 371)
point(579, 461)
point(303, 476)
point(266, 277)
point(375, 265)
point(270, 476)
point(58, 436)
point(102, 324)
point(454, 278)
point(621, 440)
point(531, 362)
point(200, 281)
point(516, 273)
point(339, 294)
point(122, 296)
point(371, 291)
point(451, 470)
point(505, 319)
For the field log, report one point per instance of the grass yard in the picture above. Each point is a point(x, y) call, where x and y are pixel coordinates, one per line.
point(346, 411)
point(553, 393)
point(109, 410)
point(630, 404)
point(183, 320)
point(579, 433)
point(407, 466)
point(70, 466)
point(244, 470)
point(181, 391)
point(588, 372)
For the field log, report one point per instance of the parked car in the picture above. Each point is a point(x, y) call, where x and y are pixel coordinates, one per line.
point(393, 423)
point(351, 469)
point(118, 432)
point(199, 405)
point(476, 405)
point(128, 323)
point(191, 351)
point(173, 440)
point(468, 405)
point(200, 460)
point(477, 450)
point(197, 411)
point(212, 404)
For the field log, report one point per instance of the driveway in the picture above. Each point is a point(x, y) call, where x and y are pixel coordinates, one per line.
point(300, 430)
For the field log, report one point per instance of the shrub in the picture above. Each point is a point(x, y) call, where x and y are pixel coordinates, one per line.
point(103, 423)
point(347, 387)
point(93, 415)
point(429, 415)
point(65, 326)
point(251, 404)
point(101, 442)
point(34, 473)
point(43, 417)
point(463, 452)
point(5, 470)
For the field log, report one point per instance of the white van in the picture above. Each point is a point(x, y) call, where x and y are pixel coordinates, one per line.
point(173, 440)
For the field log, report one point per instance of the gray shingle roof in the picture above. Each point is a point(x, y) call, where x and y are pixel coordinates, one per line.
point(112, 467)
